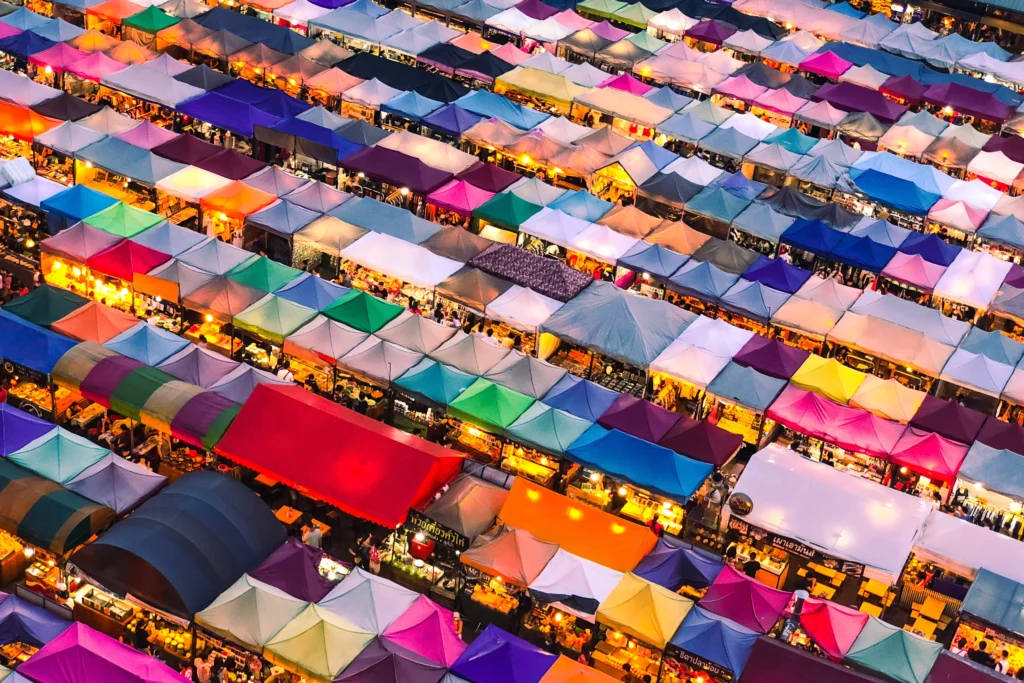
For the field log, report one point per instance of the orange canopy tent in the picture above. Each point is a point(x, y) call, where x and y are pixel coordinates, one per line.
point(258, 56)
point(567, 670)
point(130, 52)
point(114, 11)
point(94, 41)
point(333, 81)
point(23, 123)
point(579, 529)
point(237, 200)
point(95, 322)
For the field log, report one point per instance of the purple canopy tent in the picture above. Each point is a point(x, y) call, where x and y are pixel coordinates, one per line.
point(772, 661)
point(965, 100)
point(394, 168)
point(227, 163)
point(23, 622)
point(382, 660)
point(103, 379)
point(500, 657)
point(546, 276)
point(948, 419)
point(674, 565)
point(710, 31)
point(949, 668)
point(904, 88)
point(18, 428)
point(701, 440)
point(851, 97)
point(117, 483)
point(489, 177)
point(293, 569)
point(771, 357)
point(639, 418)
point(535, 9)
point(204, 419)
point(777, 274)
point(82, 655)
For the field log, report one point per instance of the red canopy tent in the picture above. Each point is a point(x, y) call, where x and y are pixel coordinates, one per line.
point(127, 259)
point(366, 468)
point(831, 626)
point(929, 454)
point(749, 603)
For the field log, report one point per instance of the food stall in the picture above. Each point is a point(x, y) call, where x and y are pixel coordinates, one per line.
point(479, 418)
point(54, 150)
point(738, 398)
point(179, 195)
point(707, 647)
point(224, 210)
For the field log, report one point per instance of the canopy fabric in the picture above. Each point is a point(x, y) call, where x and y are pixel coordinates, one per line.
point(273, 318)
point(126, 260)
point(574, 584)
point(515, 555)
point(490, 406)
point(123, 220)
point(24, 622)
point(644, 610)
point(295, 569)
point(674, 565)
point(117, 483)
point(198, 366)
point(94, 322)
point(772, 661)
point(746, 386)
point(428, 630)
point(499, 657)
point(421, 468)
point(994, 468)
point(948, 419)
point(831, 626)
point(580, 397)
point(588, 533)
point(639, 418)
point(888, 399)
point(525, 374)
point(45, 305)
point(469, 506)
point(894, 652)
point(318, 643)
point(18, 429)
point(74, 204)
point(250, 612)
point(147, 343)
point(367, 601)
point(883, 539)
point(743, 600)
point(236, 200)
point(416, 332)
point(715, 639)
point(829, 378)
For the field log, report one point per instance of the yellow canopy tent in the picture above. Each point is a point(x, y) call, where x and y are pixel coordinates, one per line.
point(643, 610)
point(829, 378)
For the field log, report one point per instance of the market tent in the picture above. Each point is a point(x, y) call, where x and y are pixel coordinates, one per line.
point(167, 238)
point(976, 371)
point(715, 639)
point(406, 262)
point(94, 322)
point(385, 659)
point(369, 214)
point(164, 556)
point(490, 406)
point(361, 311)
point(499, 657)
point(117, 483)
point(831, 626)
point(416, 332)
point(580, 397)
point(323, 341)
point(702, 279)
point(643, 610)
point(972, 279)
point(147, 343)
point(263, 274)
point(522, 308)
point(996, 469)
point(18, 429)
point(772, 661)
point(428, 630)
point(996, 600)
point(198, 366)
point(525, 374)
point(639, 418)
point(172, 281)
point(574, 584)
point(469, 506)
point(469, 353)
point(317, 643)
point(72, 205)
point(45, 305)
point(951, 420)
point(379, 360)
point(315, 196)
point(367, 601)
point(702, 441)
point(123, 220)
point(250, 612)
point(514, 554)
point(673, 565)
point(273, 318)
point(24, 622)
point(887, 521)
point(743, 600)
point(436, 382)
point(472, 288)
point(646, 465)
point(294, 568)
point(967, 548)
point(893, 652)
point(888, 399)
point(126, 260)
point(413, 470)
point(829, 378)
point(725, 255)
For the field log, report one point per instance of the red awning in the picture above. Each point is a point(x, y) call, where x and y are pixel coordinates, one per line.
point(328, 452)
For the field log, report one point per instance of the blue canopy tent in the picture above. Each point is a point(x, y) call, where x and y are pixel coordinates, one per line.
point(73, 205)
point(24, 45)
point(811, 235)
point(439, 384)
point(147, 344)
point(674, 564)
point(29, 345)
point(793, 140)
point(452, 120)
point(282, 218)
point(753, 300)
point(168, 238)
point(863, 252)
point(58, 30)
point(229, 114)
point(255, 30)
point(129, 161)
point(1006, 230)
point(547, 429)
point(761, 220)
point(631, 329)
point(583, 205)
point(370, 214)
point(746, 386)
point(703, 280)
point(411, 106)
point(489, 105)
point(25, 19)
point(23, 622)
point(186, 545)
point(715, 639)
point(930, 247)
point(651, 467)
point(740, 185)
point(996, 600)
point(312, 292)
point(303, 137)
point(899, 193)
point(580, 397)
point(271, 100)
point(653, 259)
point(687, 127)
point(885, 62)
point(18, 429)
point(717, 203)
point(777, 274)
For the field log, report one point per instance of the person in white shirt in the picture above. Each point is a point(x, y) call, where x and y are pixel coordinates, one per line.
point(285, 372)
point(312, 536)
point(489, 338)
point(960, 649)
point(1003, 665)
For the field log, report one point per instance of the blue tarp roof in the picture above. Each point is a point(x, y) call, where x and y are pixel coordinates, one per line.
point(435, 381)
point(411, 105)
point(997, 600)
point(23, 622)
point(930, 247)
point(77, 203)
point(147, 344)
point(548, 429)
point(255, 30)
point(668, 98)
point(30, 345)
point(686, 126)
point(658, 155)
point(580, 397)
point(777, 274)
point(1006, 229)
point(715, 639)
point(998, 469)
point(18, 429)
point(58, 30)
point(747, 386)
point(728, 142)
point(846, 9)
point(863, 252)
point(813, 236)
point(24, 19)
point(644, 464)
point(793, 140)
point(324, 137)
point(703, 280)
point(894, 191)
point(739, 185)
point(761, 220)
point(489, 105)
point(630, 329)
point(885, 62)
point(271, 100)
point(453, 120)
point(994, 345)
point(283, 217)
point(186, 545)
point(312, 292)
point(653, 259)
point(674, 564)
point(227, 113)
point(583, 205)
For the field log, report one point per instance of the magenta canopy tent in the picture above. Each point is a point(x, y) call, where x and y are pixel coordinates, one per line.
point(781, 101)
point(827, 64)
point(293, 569)
point(626, 83)
point(82, 655)
point(771, 357)
point(427, 629)
point(147, 135)
point(740, 88)
point(459, 196)
point(772, 661)
point(852, 97)
point(639, 418)
point(710, 31)
point(749, 603)
point(905, 88)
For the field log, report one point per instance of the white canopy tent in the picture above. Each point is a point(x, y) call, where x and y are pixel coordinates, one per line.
point(602, 243)
point(690, 363)
point(380, 360)
point(522, 308)
point(399, 259)
point(574, 582)
point(973, 278)
point(191, 184)
point(964, 548)
point(250, 612)
point(555, 226)
point(440, 156)
point(978, 372)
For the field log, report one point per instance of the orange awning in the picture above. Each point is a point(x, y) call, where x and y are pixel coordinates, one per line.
point(115, 10)
point(567, 670)
point(577, 528)
point(237, 200)
point(23, 123)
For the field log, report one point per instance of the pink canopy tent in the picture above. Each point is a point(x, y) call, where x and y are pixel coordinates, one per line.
point(147, 135)
point(929, 454)
point(57, 58)
point(82, 655)
point(511, 54)
point(914, 270)
point(609, 32)
point(780, 101)
point(740, 88)
point(427, 629)
point(570, 19)
point(749, 603)
point(851, 428)
point(831, 626)
point(459, 196)
point(7, 31)
point(957, 214)
point(827, 64)
point(95, 66)
point(626, 83)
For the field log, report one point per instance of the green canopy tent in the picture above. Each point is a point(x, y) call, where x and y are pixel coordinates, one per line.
point(505, 211)
point(45, 305)
point(150, 20)
point(489, 406)
point(635, 15)
point(362, 312)
point(317, 643)
point(123, 220)
point(132, 393)
point(893, 652)
point(264, 274)
point(602, 9)
point(273, 318)
point(547, 429)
